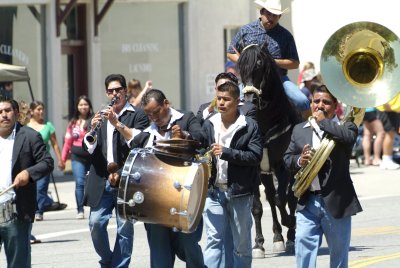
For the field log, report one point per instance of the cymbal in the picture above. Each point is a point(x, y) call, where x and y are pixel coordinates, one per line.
point(180, 143)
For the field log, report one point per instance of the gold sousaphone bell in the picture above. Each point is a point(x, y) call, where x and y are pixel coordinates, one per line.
point(359, 65)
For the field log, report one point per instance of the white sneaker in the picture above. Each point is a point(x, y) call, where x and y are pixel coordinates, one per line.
point(80, 216)
point(389, 165)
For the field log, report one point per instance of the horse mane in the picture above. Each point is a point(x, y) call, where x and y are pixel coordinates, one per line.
point(258, 68)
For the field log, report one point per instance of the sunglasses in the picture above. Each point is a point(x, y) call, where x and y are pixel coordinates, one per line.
point(111, 90)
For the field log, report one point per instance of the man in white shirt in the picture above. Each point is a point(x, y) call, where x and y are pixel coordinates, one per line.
point(111, 144)
point(24, 160)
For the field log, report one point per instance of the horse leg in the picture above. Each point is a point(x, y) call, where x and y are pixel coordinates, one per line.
point(281, 197)
point(257, 211)
point(278, 241)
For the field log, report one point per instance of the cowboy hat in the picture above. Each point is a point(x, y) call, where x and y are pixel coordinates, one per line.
point(273, 6)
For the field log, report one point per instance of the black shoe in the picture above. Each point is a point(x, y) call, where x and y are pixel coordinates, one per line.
point(56, 206)
point(62, 206)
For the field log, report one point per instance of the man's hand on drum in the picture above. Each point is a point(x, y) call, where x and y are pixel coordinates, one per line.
point(22, 178)
point(217, 149)
point(113, 178)
point(178, 133)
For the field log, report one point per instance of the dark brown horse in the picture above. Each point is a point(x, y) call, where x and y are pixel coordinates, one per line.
point(276, 117)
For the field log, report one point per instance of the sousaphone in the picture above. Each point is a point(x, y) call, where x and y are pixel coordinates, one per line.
point(359, 65)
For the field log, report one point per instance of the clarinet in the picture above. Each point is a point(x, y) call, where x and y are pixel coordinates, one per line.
point(92, 134)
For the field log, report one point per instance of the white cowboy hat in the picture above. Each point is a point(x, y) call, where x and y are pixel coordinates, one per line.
point(273, 6)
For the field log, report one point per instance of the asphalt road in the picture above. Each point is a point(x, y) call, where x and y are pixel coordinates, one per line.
point(375, 232)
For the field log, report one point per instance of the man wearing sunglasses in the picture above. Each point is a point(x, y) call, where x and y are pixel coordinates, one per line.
point(116, 127)
point(327, 206)
point(279, 42)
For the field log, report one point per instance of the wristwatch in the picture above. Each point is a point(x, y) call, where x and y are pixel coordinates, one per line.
point(120, 126)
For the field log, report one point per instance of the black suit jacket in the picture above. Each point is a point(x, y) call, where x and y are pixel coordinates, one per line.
point(246, 107)
point(29, 152)
point(98, 174)
point(336, 185)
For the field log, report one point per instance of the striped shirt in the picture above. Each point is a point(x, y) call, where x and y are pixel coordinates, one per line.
point(279, 41)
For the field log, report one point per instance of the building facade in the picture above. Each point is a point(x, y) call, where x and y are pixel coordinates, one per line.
point(69, 46)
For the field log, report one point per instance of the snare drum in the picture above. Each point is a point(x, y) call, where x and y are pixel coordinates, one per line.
point(162, 190)
point(8, 210)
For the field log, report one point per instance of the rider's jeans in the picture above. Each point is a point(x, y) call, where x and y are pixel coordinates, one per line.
point(295, 95)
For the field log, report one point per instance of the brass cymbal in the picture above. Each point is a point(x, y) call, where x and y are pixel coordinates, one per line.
point(179, 143)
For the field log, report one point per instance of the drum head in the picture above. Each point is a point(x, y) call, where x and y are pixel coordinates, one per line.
point(197, 198)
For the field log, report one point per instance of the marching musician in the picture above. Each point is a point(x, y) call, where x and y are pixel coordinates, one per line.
point(24, 160)
point(168, 123)
point(237, 151)
point(110, 144)
point(327, 206)
point(208, 109)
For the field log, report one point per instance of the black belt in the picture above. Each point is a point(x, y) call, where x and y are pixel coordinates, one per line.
point(317, 192)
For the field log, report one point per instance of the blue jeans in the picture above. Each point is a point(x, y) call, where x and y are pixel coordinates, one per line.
point(312, 223)
point(228, 224)
point(43, 199)
point(98, 221)
point(15, 235)
point(295, 95)
point(79, 170)
point(165, 244)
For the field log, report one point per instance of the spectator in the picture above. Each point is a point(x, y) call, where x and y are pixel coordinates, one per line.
point(372, 126)
point(48, 133)
point(308, 65)
point(135, 91)
point(390, 121)
point(309, 77)
point(76, 130)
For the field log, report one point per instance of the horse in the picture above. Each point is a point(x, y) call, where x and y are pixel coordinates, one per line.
point(276, 117)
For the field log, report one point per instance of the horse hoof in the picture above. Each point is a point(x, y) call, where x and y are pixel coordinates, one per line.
point(278, 247)
point(290, 247)
point(258, 253)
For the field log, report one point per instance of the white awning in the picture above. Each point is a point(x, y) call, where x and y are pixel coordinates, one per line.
point(13, 73)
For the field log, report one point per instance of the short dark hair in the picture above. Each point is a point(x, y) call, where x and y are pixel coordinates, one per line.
point(14, 103)
point(227, 75)
point(115, 77)
point(231, 87)
point(323, 89)
point(155, 94)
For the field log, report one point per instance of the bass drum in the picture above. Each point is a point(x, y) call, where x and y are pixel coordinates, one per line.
point(162, 190)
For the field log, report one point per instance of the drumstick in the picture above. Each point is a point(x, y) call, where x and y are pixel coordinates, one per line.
point(7, 189)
